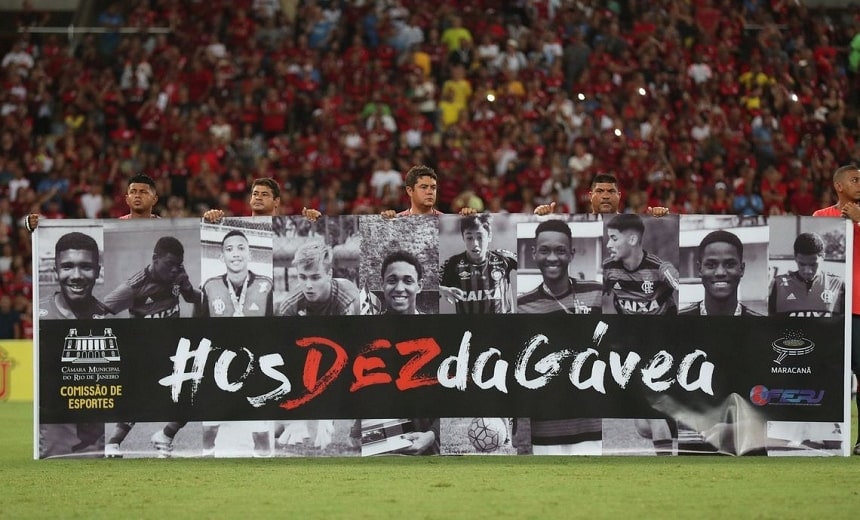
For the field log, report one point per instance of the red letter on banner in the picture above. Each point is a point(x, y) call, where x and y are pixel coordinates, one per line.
point(363, 366)
point(315, 384)
point(425, 349)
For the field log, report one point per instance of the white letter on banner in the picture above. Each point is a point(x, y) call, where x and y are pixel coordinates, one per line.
point(267, 365)
point(660, 364)
point(180, 359)
point(499, 371)
point(222, 366)
point(549, 366)
point(706, 373)
point(597, 372)
point(623, 373)
point(461, 360)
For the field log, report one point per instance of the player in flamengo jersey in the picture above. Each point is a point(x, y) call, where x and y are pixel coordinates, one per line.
point(154, 291)
point(239, 291)
point(846, 182)
point(808, 291)
point(478, 280)
point(638, 282)
point(558, 292)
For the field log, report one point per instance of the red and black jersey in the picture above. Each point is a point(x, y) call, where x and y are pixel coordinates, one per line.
point(647, 289)
point(823, 296)
point(581, 298)
point(145, 297)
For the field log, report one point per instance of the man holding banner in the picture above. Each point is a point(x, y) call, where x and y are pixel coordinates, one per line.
point(141, 198)
point(421, 185)
point(265, 200)
point(846, 181)
point(605, 198)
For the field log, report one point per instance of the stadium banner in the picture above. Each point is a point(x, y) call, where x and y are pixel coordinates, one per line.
point(502, 334)
point(16, 370)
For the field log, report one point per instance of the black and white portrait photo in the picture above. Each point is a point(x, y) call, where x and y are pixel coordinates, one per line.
point(723, 267)
point(316, 266)
point(399, 265)
point(640, 264)
point(152, 268)
point(236, 264)
point(807, 267)
point(72, 272)
point(559, 266)
point(479, 262)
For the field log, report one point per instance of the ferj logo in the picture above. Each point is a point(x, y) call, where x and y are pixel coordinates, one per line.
point(761, 395)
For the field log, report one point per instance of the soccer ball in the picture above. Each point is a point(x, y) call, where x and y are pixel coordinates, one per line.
point(486, 434)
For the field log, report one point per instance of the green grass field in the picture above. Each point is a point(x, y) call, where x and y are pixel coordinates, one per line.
point(417, 488)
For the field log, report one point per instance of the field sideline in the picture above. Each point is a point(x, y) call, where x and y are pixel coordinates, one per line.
point(413, 488)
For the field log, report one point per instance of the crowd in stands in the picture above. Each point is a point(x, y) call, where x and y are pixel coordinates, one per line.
point(707, 106)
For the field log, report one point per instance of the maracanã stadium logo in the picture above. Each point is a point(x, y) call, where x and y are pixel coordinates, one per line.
point(792, 343)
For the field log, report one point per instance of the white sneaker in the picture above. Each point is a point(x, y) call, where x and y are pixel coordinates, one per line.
point(163, 444)
point(112, 451)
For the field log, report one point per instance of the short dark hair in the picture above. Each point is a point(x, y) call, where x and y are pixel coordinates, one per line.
point(476, 221)
point(627, 222)
point(270, 183)
point(142, 178)
point(419, 171)
point(721, 236)
point(169, 245)
point(76, 240)
point(809, 244)
point(402, 256)
point(842, 170)
point(607, 178)
point(559, 226)
point(233, 233)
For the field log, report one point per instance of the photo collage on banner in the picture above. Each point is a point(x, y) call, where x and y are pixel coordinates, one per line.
point(71, 286)
point(688, 266)
point(807, 273)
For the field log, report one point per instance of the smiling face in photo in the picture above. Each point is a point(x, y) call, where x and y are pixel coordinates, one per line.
point(235, 253)
point(400, 286)
point(721, 270)
point(552, 254)
point(77, 271)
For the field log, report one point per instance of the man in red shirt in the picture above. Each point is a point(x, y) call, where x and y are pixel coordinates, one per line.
point(605, 198)
point(846, 181)
point(265, 200)
point(421, 186)
point(140, 197)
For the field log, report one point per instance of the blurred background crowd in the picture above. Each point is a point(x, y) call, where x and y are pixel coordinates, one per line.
point(702, 106)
